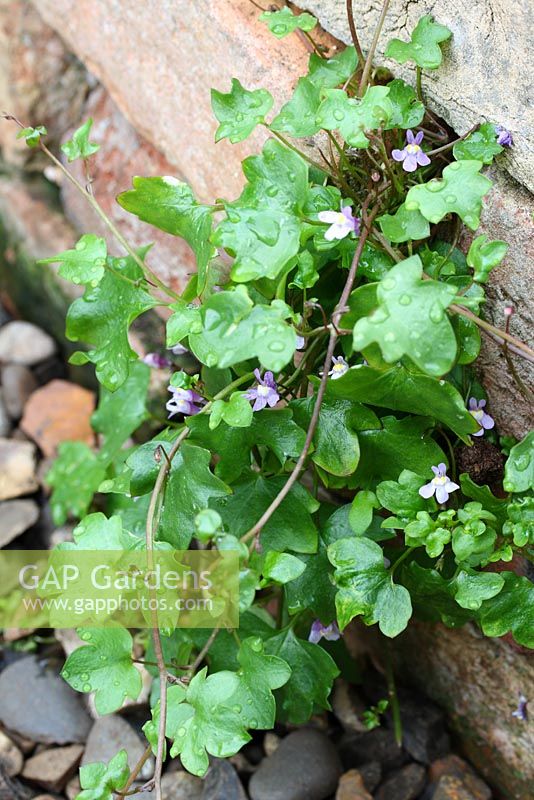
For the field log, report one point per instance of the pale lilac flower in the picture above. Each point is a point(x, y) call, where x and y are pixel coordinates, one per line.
point(521, 711)
point(476, 408)
point(319, 631)
point(301, 343)
point(342, 223)
point(265, 393)
point(339, 368)
point(156, 361)
point(504, 137)
point(183, 401)
point(440, 485)
point(412, 155)
point(179, 350)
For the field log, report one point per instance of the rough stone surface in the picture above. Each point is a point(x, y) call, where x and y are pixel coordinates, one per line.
point(453, 765)
point(51, 769)
point(181, 786)
point(5, 421)
point(36, 703)
point(59, 412)
point(18, 384)
point(347, 707)
point(304, 767)
point(376, 745)
point(11, 758)
point(222, 782)
point(17, 468)
point(24, 343)
point(109, 735)
point(352, 787)
point(423, 729)
point(406, 784)
point(16, 517)
point(451, 788)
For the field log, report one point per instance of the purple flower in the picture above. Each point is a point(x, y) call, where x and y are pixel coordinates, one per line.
point(183, 401)
point(521, 711)
point(440, 484)
point(504, 137)
point(301, 343)
point(265, 393)
point(156, 361)
point(339, 368)
point(179, 350)
point(319, 631)
point(476, 408)
point(412, 156)
point(341, 223)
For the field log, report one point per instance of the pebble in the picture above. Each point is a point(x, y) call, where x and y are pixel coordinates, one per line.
point(11, 758)
point(17, 469)
point(371, 774)
point(24, 343)
point(270, 743)
point(376, 745)
point(36, 703)
point(5, 420)
point(305, 766)
point(181, 786)
point(51, 769)
point(405, 784)
point(18, 384)
point(423, 729)
point(456, 767)
point(222, 782)
point(109, 735)
point(58, 412)
point(352, 787)
point(348, 707)
point(450, 788)
point(73, 788)
point(16, 516)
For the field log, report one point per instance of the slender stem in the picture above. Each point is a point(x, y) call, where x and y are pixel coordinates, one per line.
point(202, 654)
point(451, 144)
point(370, 55)
point(393, 697)
point(135, 772)
point(354, 33)
point(300, 152)
point(399, 561)
point(418, 82)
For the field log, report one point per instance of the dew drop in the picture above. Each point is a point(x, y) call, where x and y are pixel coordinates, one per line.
point(388, 284)
point(415, 335)
point(237, 709)
point(84, 676)
point(256, 645)
point(86, 636)
point(435, 186)
point(86, 687)
point(65, 674)
point(181, 732)
point(81, 245)
point(455, 166)
point(253, 723)
point(339, 115)
point(405, 299)
point(271, 191)
point(436, 313)
point(451, 198)
point(275, 347)
point(522, 462)
point(390, 336)
point(279, 30)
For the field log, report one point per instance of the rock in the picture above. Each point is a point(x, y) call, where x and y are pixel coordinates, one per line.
point(59, 412)
point(46, 797)
point(24, 343)
point(5, 420)
point(352, 787)
point(11, 758)
point(12, 789)
point(35, 702)
point(17, 469)
point(18, 384)
point(305, 766)
point(456, 767)
point(406, 784)
point(52, 768)
point(451, 788)
point(376, 745)
point(109, 735)
point(270, 743)
point(423, 729)
point(73, 788)
point(16, 516)
point(181, 786)
point(222, 782)
point(348, 707)
point(371, 774)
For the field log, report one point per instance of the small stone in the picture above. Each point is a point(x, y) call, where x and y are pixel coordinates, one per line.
point(305, 766)
point(371, 774)
point(405, 784)
point(73, 788)
point(12, 789)
point(109, 735)
point(52, 768)
point(36, 703)
point(451, 788)
point(59, 412)
point(222, 782)
point(5, 421)
point(352, 787)
point(17, 469)
point(270, 743)
point(423, 729)
point(46, 797)
point(24, 343)
point(17, 516)
point(10, 756)
point(348, 707)
point(456, 767)
point(18, 383)
point(181, 786)
point(376, 745)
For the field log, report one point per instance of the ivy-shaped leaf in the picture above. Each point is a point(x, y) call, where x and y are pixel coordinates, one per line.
point(281, 567)
point(481, 145)
point(327, 73)
point(85, 264)
point(511, 610)
point(352, 117)
point(404, 225)
point(102, 317)
point(423, 47)
point(402, 496)
point(483, 256)
point(80, 146)
point(472, 588)
point(169, 204)
point(459, 191)
point(365, 587)
point(184, 320)
point(239, 111)
point(407, 110)
point(519, 467)
point(277, 178)
point(97, 532)
point(236, 412)
point(411, 320)
point(283, 22)
point(100, 781)
point(74, 477)
point(297, 117)
point(104, 666)
point(259, 674)
point(32, 136)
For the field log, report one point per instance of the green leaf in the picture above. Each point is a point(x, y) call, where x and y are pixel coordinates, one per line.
point(169, 204)
point(277, 178)
point(259, 674)
point(312, 674)
point(85, 264)
point(184, 320)
point(432, 596)
point(32, 136)
point(102, 317)
point(481, 145)
point(408, 111)
point(97, 532)
point(402, 496)
point(80, 146)
point(424, 531)
point(281, 567)
point(307, 275)
point(104, 666)
point(297, 117)
point(460, 191)
point(190, 487)
point(483, 495)
point(404, 225)
point(519, 467)
point(239, 111)
point(352, 117)
point(74, 477)
point(511, 610)
point(327, 73)
point(361, 511)
point(290, 527)
point(468, 339)
point(401, 390)
point(236, 412)
point(410, 319)
point(520, 523)
point(423, 47)
point(283, 22)
point(483, 256)
point(200, 720)
point(472, 588)
point(365, 587)
point(313, 590)
point(100, 781)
